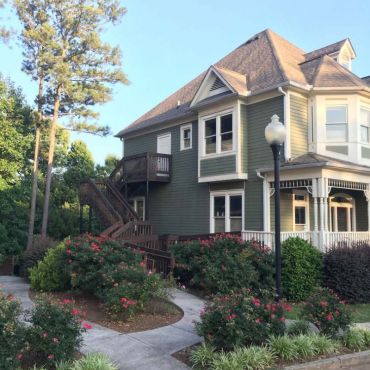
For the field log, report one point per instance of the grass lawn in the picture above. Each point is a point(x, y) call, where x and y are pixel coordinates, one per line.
point(360, 312)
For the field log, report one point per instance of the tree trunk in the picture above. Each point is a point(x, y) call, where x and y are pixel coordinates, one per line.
point(35, 169)
point(52, 138)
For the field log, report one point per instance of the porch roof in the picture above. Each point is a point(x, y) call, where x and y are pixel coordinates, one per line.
point(310, 160)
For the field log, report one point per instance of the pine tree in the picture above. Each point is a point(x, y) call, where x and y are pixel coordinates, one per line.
point(63, 48)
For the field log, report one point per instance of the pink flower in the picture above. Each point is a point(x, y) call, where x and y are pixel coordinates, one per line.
point(19, 356)
point(66, 301)
point(55, 340)
point(87, 326)
point(256, 302)
point(50, 357)
point(75, 312)
point(142, 264)
point(323, 304)
point(282, 319)
point(329, 317)
point(258, 320)
point(68, 251)
point(231, 317)
point(45, 335)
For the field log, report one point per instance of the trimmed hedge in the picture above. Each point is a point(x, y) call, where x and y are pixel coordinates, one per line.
point(302, 269)
point(347, 272)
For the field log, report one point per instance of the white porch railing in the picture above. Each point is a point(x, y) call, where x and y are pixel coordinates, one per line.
point(323, 240)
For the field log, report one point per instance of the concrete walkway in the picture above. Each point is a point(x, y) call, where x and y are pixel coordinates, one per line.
point(147, 350)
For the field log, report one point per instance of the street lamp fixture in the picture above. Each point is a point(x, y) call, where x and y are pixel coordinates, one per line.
point(275, 134)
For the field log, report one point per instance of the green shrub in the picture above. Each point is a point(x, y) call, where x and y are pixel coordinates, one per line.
point(356, 339)
point(327, 312)
point(35, 253)
point(11, 333)
point(223, 263)
point(50, 274)
point(283, 347)
point(94, 361)
point(302, 268)
point(54, 333)
point(347, 272)
point(240, 319)
point(203, 356)
point(299, 327)
point(113, 272)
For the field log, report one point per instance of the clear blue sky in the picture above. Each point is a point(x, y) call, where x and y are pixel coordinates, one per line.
point(166, 43)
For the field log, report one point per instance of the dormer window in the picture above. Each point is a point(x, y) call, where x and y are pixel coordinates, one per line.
point(218, 134)
point(365, 125)
point(336, 123)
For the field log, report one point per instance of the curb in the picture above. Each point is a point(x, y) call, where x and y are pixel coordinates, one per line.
point(333, 363)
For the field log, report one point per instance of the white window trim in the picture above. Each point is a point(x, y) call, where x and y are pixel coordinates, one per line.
point(226, 194)
point(182, 130)
point(218, 134)
point(336, 123)
point(301, 203)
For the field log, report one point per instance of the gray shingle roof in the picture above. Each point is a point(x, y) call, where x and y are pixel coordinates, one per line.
point(263, 62)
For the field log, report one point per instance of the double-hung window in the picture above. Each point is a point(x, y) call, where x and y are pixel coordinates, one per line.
point(226, 211)
point(365, 125)
point(218, 134)
point(336, 123)
point(186, 137)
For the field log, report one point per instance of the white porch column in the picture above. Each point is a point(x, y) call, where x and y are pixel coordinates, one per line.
point(315, 205)
point(367, 196)
point(266, 206)
point(323, 192)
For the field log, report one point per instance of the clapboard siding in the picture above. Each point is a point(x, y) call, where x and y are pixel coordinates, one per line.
point(218, 166)
point(298, 125)
point(259, 156)
point(181, 206)
point(244, 138)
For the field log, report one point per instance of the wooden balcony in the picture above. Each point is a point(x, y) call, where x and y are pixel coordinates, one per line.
point(143, 167)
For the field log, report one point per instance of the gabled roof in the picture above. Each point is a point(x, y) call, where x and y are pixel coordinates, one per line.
point(263, 62)
point(366, 80)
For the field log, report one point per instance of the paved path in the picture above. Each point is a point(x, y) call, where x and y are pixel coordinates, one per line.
point(147, 350)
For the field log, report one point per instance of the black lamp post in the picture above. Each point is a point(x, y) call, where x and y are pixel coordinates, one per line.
point(275, 134)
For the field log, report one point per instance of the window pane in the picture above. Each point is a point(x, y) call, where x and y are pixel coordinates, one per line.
point(226, 123)
point(336, 114)
point(219, 225)
point(365, 134)
point(336, 132)
point(226, 142)
point(211, 145)
point(236, 224)
point(300, 215)
point(299, 197)
point(211, 127)
point(186, 143)
point(235, 206)
point(187, 133)
point(219, 206)
point(365, 116)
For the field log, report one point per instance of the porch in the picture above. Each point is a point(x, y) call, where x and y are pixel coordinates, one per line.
point(326, 202)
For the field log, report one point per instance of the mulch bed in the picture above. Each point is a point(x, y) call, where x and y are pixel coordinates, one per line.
point(160, 313)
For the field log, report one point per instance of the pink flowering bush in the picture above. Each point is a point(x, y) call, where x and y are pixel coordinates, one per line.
point(54, 334)
point(11, 332)
point(324, 309)
point(223, 263)
point(241, 319)
point(114, 273)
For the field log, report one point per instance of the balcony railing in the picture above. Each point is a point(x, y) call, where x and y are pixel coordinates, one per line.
point(143, 167)
point(323, 240)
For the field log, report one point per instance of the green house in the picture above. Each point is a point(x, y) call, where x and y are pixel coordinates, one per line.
point(198, 162)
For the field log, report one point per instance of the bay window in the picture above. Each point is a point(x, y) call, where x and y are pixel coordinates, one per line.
point(218, 134)
point(336, 123)
point(365, 125)
point(226, 211)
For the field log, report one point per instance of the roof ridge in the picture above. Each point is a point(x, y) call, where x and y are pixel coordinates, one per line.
point(275, 54)
point(342, 69)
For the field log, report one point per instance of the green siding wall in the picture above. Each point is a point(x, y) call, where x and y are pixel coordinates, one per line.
point(181, 206)
point(244, 138)
point(218, 166)
point(298, 125)
point(259, 156)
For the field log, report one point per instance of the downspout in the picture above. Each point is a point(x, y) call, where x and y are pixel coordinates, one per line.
point(266, 202)
point(287, 152)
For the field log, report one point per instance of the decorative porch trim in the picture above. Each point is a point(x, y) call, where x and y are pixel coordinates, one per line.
point(349, 185)
point(291, 184)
